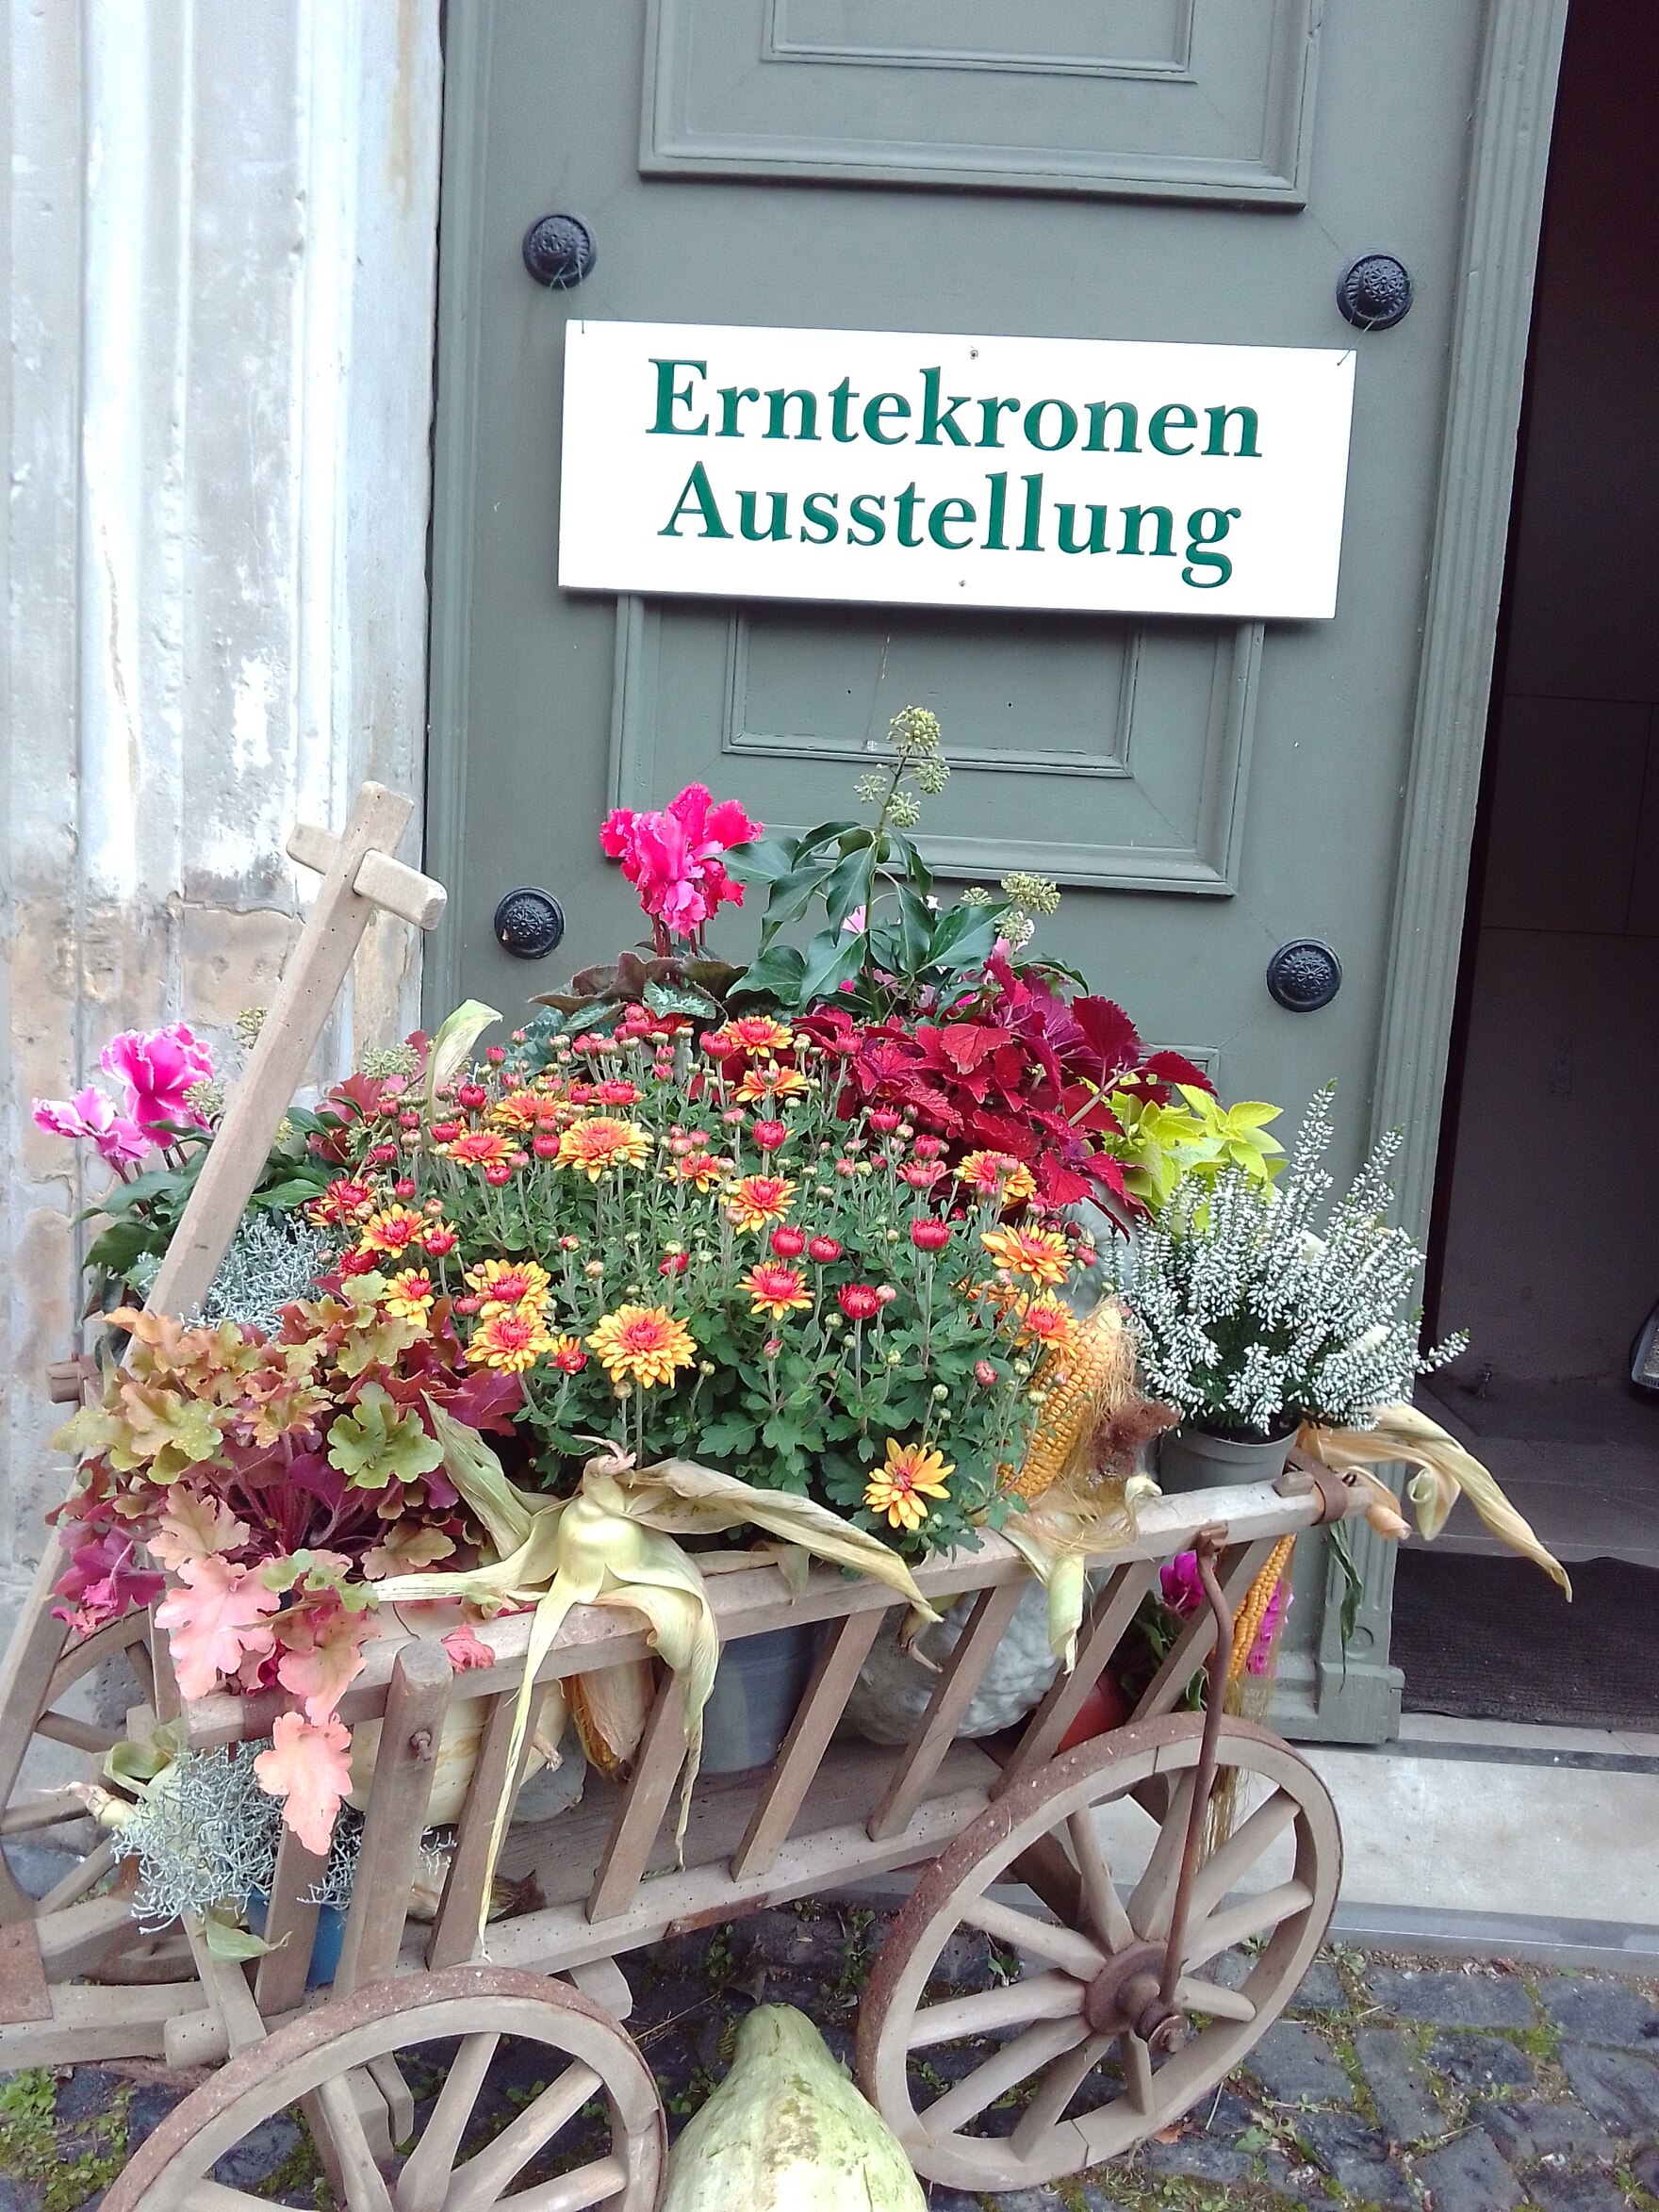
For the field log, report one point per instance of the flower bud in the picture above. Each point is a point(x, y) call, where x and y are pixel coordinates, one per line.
point(495, 1054)
point(404, 1186)
point(545, 1144)
point(788, 1242)
point(472, 1096)
point(984, 1373)
point(928, 1235)
point(823, 1250)
point(498, 1172)
point(770, 1135)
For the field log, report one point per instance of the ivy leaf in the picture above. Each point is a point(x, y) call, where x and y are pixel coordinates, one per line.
point(777, 974)
point(378, 1443)
point(831, 960)
point(765, 860)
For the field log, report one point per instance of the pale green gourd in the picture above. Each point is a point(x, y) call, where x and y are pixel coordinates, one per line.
point(787, 2131)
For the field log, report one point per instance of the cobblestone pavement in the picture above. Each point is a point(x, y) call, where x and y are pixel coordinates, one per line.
point(1457, 2088)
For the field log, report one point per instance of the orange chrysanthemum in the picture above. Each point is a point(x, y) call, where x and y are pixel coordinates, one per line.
point(566, 1354)
point(775, 1289)
point(643, 1344)
point(1041, 1254)
point(409, 1295)
point(703, 1168)
point(345, 1200)
point(997, 1175)
point(517, 1110)
point(502, 1284)
point(751, 1033)
point(510, 1340)
point(392, 1228)
point(913, 1473)
point(755, 1200)
point(601, 1142)
point(479, 1148)
point(771, 1081)
point(1045, 1320)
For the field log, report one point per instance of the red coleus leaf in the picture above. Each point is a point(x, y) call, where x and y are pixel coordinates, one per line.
point(1174, 1067)
point(1108, 1043)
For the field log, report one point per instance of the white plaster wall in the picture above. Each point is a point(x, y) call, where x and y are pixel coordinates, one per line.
point(219, 246)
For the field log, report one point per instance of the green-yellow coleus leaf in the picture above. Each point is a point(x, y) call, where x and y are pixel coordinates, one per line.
point(379, 1442)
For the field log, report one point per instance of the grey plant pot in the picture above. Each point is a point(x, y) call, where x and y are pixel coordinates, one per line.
point(1192, 1459)
point(757, 1685)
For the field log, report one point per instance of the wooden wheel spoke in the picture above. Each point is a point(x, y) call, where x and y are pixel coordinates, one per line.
point(425, 2178)
point(1059, 2085)
point(1004, 2071)
point(1100, 1892)
point(1240, 1853)
point(42, 1808)
point(1137, 2065)
point(987, 2012)
point(1154, 1894)
point(80, 1735)
point(1042, 1939)
point(79, 1879)
point(596, 2183)
point(212, 2196)
point(487, 2172)
point(1214, 1998)
point(1251, 1916)
point(364, 2184)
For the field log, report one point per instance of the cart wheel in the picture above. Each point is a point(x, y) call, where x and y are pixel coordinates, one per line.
point(78, 1937)
point(978, 2086)
point(613, 2156)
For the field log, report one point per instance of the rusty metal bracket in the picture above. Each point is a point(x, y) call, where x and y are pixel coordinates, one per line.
point(1167, 2030)
point(1336, 1493)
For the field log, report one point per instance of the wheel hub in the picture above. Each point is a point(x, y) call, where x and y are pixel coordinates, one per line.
point(1123, 1997)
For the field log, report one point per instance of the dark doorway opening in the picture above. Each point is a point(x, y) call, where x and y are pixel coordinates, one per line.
point(1546, 1245)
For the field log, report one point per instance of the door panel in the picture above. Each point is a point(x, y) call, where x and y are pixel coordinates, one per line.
point(1151, 99)
point(1203, 791)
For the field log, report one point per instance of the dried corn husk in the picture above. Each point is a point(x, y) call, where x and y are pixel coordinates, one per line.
point(610, 1708)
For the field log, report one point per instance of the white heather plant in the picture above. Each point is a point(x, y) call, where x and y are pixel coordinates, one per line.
point(1253, 1317)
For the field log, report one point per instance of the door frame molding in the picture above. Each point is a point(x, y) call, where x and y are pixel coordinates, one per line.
point(1352, 1696)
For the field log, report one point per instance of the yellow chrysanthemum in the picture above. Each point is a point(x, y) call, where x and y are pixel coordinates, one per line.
point(769, 1081)
point(518, 1110)
point(409, 1295)
point(601, 1142)
point(913, 1473)
point(1040, 1253)
point(751, 1033)
point(776, 1289)
point(502, 1284)
point(392, 1228)
point(1045, 1320)
point(510, 1340)
point(643, 1344)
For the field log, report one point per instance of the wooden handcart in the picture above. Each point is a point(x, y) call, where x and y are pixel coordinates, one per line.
point(1121, 2004)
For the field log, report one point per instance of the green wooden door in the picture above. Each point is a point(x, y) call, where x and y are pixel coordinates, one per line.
point(1185, 170)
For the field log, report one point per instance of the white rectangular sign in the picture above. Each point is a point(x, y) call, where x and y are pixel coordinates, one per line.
point(953, 471)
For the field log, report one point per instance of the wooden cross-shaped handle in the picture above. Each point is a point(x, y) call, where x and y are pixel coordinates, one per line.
point(359, 875)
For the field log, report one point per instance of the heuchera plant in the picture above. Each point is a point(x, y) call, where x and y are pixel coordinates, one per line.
point(275, 1478)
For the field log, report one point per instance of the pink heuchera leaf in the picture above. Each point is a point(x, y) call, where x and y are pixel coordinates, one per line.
point(324, 1656)
point(466, 1650)
point(100, 1584)
point(309, 1768)
point(214, 1621)
point(194, 1528)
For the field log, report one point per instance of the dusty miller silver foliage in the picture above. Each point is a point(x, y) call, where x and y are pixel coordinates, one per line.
point(273, 1258)
point(1252, 1318)
point(204, 1835)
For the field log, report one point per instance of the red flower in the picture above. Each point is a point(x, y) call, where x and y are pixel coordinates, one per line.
point(445, 1132)
point(675, 1264)
point(545, 1144)
point(984, 1373)
point(472, 1096)
point(928, 1235)
point(922, 1174)
point(404, 1186)
point(440, 1239)
point(770, 1135)
point(885, 1120)
point(498, 1172)
point(928, 1148)
point(788, 1242)
point(672, 858)
point(823, 1250)
point(858, 1301)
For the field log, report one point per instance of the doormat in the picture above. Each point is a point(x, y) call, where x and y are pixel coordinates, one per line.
point(1493, 1639)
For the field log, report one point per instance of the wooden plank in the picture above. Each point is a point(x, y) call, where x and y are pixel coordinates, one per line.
point(290, 1926)
point(656, 1769)
point(1113, 1610)
point(169, 1704)
point(454, 1933)
point(88, 2026)
point(227, 1991)
point(561, 1937)
point(31, 1660)
point(415, 1704)
point(77, 1938)
point(843, 1653)
point(954, 1693)
point(1191, 1647)
point(749, 1603)
point(311, 982)
point(24, 1994)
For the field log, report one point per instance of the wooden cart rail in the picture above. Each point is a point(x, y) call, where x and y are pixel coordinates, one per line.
point(751, 1601)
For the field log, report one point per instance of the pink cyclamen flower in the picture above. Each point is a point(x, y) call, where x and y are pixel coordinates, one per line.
point(159, 1067)
point(672, 857)
point(89, 1113)
point(1179, 1583)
